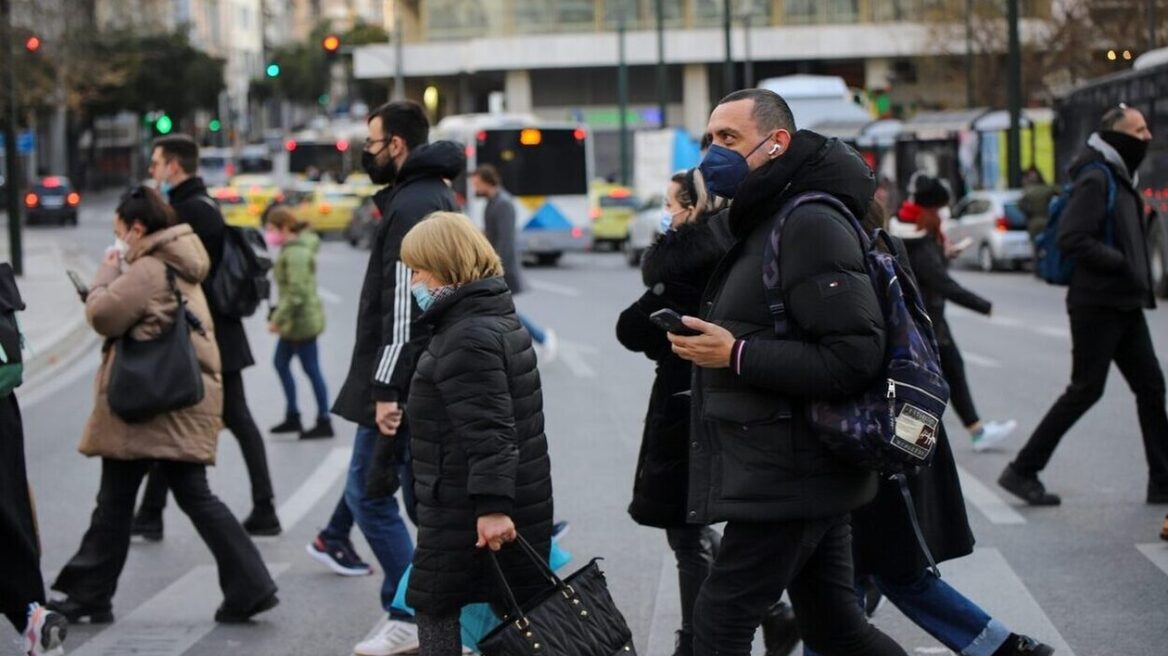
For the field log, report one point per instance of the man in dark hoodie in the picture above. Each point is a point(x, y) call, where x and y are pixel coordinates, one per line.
point(755, 461)
point(1109, 291)
point(387, 347)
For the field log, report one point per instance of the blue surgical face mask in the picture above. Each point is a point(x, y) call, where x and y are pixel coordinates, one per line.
point(422, 295)
point(724, 169)
point(165, 187)
point(666, 222)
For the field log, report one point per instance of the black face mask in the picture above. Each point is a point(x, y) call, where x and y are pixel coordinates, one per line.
point(1131, 149)
point(379, 173)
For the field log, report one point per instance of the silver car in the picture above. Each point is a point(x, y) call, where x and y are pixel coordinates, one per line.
point(990, 230)
point(644, 230)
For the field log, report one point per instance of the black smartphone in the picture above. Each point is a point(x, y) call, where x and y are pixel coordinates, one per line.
point(78, 284)
point(670, 321)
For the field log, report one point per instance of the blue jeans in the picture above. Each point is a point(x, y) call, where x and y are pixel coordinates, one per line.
point(943, 613)
point(533, 329)
point(379, 519)
point(309, 356)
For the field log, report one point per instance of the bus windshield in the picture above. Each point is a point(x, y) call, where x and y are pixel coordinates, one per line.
point(554, 163)
point(323, 156)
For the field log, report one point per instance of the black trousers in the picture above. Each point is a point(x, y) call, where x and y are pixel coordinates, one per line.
point(20, 558)
point(237, 417)
point(812, 560)
point(91, 576)
point(1100, 336)
point(953, 368)
point(695, 548)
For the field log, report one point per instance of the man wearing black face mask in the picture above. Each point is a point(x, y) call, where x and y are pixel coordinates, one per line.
point(387, 347)
point(1110, 288)
point(756, 462)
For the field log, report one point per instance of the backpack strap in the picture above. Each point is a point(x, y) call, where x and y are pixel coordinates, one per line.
point(1112, 192)
point(902, 482)
point(771, 268)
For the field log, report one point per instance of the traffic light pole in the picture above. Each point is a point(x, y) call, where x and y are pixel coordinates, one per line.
point(622, 91)
point(1014, 93)
point(12, 161)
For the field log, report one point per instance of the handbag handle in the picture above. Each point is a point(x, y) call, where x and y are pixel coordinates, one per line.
point(545, 569)
point(192, 320)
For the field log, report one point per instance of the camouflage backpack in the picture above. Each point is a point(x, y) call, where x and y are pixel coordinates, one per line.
point(891, 427)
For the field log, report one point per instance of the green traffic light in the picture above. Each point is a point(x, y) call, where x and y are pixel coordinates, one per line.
point(214, 125)
point(164, 125)
point(323, 100)
point(273, 70)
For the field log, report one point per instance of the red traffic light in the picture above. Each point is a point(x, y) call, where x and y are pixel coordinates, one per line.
point(331, 43)
point(32, 43)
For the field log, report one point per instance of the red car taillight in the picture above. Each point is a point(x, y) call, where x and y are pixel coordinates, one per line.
point(31, 200)
point(74, 199)
point(1001, 225)
point(594, 213)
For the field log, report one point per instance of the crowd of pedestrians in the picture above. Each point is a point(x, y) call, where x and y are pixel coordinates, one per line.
point(444, 388)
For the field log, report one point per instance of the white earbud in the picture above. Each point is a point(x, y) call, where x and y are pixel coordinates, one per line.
point(774, 149)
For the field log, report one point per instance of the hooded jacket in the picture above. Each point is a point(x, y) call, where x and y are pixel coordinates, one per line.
point(387, 345)
point(1115, 275)
point(676, 269)
point(478, 447)
point(299, 315)
point(194, 206)
point(754, 455)
point(140, 303)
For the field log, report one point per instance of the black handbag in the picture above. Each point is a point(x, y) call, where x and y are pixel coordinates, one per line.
point(576, 618)
point(150, 377)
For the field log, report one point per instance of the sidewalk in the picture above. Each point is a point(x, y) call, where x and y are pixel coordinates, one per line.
point(54, 319)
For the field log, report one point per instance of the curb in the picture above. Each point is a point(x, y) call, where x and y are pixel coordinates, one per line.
point(64, 344)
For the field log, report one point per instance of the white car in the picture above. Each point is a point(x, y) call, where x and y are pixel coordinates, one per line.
point(643, 231)
point(991, 229)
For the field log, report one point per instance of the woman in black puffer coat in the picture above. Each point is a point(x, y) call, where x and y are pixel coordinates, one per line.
point(480, 459)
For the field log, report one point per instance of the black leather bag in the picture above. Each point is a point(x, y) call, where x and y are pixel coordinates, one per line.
point(576, 618)
point(160, 375)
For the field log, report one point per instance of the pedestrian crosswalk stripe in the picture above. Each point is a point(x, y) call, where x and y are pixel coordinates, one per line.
point(981, 360)
point(170, 622)
point(986, 501)
point(297, 506)
point(1157, 552)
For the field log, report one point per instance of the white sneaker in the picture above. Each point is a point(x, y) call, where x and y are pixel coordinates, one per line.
point(992, 434)
point(45, 632)
point(551, 346)
point(395, 637)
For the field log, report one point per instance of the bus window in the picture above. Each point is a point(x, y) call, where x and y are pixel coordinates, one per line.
point(322, 156)
point(555, 164)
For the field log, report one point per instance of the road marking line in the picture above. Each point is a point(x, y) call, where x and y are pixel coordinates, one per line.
point(1157, 552)
point(170, 622)
point(553, 288)
point(666, 609)
point(986, 501)
point(81, 361)
point(576, 363)
point(297, 506)
point(981, 360)
point(1052, 331)
point(330, 297)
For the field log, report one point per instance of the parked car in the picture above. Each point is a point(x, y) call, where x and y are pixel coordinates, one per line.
point(359, 232)
point(234, 207)
point(52, 200)
point(612, 210)
point(326, 208)
point(993, 229)
point(259, 191)
point(644, 229)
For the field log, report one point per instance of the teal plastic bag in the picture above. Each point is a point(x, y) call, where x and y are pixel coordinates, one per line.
point(477, 620)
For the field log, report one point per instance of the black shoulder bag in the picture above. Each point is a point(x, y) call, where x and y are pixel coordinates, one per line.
point(151, 377)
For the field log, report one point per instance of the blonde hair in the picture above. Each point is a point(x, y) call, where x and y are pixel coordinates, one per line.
point(449, 246)
point(695, 197)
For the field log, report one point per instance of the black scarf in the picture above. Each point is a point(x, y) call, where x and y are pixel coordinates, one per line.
point(1131, 149)
point(766, 188)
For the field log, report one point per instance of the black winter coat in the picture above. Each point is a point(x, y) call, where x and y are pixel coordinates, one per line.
point(476, 408)
point(755, 456)
point(676, 269)
point(930, 267)
point(190, 202)
point(1115, 276)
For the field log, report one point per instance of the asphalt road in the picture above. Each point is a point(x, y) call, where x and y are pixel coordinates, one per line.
point(1090, 576)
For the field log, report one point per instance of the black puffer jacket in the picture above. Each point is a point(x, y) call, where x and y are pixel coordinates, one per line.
point(1115, 276)
point(930, 266)
point(194, 205)
point(478, 444)
point(755, 457)
point(675, 269)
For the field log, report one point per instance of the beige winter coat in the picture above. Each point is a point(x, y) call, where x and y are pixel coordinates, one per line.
point(139, 302)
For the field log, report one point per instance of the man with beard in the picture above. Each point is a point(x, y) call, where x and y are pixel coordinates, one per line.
point(387, 347)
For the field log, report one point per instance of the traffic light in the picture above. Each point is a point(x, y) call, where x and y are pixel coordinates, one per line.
point(163, 124)
point(32, 44)
point(273, 70)
point(214, 125)
point(331, 44)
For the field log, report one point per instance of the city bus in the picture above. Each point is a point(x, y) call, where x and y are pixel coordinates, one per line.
point(546, 166)
point(1143, 87)
point(330, 151)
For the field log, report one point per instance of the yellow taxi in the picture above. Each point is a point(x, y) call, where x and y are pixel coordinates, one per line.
point(234, 207)
point(259, 191)
point(361, 185)
point(612, 209)
point(324, 207)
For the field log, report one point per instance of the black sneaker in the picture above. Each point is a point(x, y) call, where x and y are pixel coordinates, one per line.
point(77, 612)
point(322, 429)
point(780, 630)
point(147, 525)
point(225, 615)
point(262, 521)
point(1027, 488)
point(291, 424)
point(683, 644)
point(1020, 645)
point(339, 556)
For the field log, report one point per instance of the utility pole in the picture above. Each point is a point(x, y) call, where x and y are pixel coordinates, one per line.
point(728, 64)
point(1151, 25)
point(748, 73)
point(970, 100)
point(622, 90)
point(662, 93)
point(1014, 83)
point(399, 74)
point(13, 181)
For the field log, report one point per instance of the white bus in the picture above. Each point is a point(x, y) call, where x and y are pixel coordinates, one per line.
point(546, 167)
